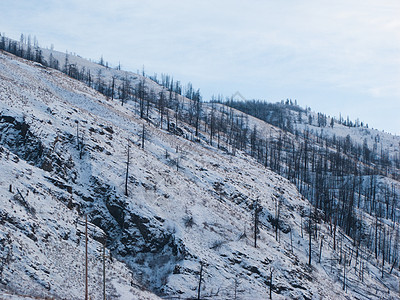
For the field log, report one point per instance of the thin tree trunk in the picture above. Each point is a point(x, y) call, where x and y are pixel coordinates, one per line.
point(200, 279)
point(320, 250)
point(86, 260)
point(143, 132)
point(127, 173)
point(104, 271)
point(270, 283)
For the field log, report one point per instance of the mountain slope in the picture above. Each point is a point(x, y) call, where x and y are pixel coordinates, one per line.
point(64, 153)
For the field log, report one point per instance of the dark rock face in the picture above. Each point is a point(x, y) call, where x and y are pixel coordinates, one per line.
point(133, 237)
point(16, 136)
point(175, 129)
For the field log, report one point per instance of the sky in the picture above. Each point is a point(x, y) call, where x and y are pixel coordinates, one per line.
point(337, 57)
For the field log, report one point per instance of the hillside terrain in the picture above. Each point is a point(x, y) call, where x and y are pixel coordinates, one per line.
point(175, 196)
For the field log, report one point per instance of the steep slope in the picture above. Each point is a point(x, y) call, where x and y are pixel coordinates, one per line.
point(43, 240)
point(187, 204)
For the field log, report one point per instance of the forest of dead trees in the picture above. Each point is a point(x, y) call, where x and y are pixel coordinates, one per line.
point(346, 181)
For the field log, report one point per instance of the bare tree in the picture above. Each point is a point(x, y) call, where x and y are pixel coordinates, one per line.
point(143, 136)
point(127, 170)
point(271, 271)
point(256, 212)
point(200, 280)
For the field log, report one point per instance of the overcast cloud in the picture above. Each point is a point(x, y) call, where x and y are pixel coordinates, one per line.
point(335, 56)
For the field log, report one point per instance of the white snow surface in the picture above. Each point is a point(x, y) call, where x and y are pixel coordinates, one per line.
point(44, 231)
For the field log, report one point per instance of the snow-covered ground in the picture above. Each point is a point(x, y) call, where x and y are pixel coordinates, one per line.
point(188, 203)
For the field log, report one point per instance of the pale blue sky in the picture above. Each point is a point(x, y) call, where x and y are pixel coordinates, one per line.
point(335, 56)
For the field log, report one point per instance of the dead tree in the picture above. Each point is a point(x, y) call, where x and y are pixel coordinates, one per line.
point(143, 133)
point(278, 204)
point(236, 284)
point(86, 260)
point(200, 279)
point(309, 238)
point(127, 170)
point(113, 87)
point(256, 211)
point(270, 282)
point(320, 249)
point(344, 273)
point(104, 270)
point(77, 133)
point(81, 148)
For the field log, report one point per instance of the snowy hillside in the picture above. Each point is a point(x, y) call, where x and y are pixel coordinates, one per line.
point(64, 151)
point(291, 117)
point(359, 134)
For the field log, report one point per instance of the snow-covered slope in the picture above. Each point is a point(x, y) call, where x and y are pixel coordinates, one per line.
point(381, 140)
point(64, 150)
